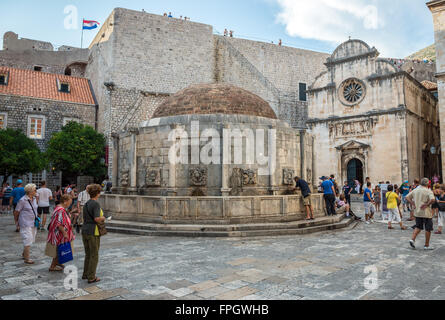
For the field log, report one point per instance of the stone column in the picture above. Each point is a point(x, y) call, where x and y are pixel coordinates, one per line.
point(115, 168)
point(302, 155)
point(404, 147)
point(134, 164)
point(365, 165)
point(225, 190)
point(171, 190)
point(273, 162)
point(437, 8)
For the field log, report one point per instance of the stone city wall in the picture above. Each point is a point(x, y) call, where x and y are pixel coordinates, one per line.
point(27, 54)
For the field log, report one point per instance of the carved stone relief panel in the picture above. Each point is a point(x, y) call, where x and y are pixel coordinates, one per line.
point(350, 129)
point(153, 178)
point(125, 178)
point(249, 177)
point(198, 176)
point(288, 177)
point(236, 182)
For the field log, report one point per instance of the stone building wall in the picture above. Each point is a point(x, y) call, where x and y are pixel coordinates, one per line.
point(437, 8)
point(27, 54)
point(423, 130)
point(159, 54)
point(273, 72)
point(18, 110)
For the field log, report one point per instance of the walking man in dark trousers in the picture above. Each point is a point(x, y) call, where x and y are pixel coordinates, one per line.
point(329, 195)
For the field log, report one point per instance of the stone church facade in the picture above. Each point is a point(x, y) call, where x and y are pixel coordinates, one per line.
point(370, 120)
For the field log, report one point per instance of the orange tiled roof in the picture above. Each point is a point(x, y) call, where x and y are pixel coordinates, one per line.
point(429, 85)
point(43, 85)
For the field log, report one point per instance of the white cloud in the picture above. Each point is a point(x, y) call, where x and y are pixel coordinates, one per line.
point(385, 24)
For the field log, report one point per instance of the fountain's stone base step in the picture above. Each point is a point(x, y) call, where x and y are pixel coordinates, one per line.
point(238, 230)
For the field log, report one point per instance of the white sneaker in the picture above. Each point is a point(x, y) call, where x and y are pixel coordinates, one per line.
point(412, 243)
point(367, 222)
point(428, 248)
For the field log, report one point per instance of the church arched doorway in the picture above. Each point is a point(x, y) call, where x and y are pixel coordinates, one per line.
point(355, 171)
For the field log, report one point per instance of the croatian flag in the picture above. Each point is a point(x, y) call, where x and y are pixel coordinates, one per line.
point(90, 24)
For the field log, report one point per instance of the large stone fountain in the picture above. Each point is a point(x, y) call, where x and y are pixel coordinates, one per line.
point(211, 154)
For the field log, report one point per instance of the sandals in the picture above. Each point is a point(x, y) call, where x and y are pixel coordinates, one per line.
point(93, 281)
point(61, 265)
point(29, 262)
point(56, 269)
point(390, 228)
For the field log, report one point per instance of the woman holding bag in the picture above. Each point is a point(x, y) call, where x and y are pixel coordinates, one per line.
point(92, 217)
point(25, 215)
point(60, 231)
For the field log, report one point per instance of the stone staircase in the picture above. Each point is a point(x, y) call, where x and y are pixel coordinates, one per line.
point(224, 231)
point(250, 67)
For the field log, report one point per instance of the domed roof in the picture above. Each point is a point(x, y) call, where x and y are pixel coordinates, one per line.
point(213, 99)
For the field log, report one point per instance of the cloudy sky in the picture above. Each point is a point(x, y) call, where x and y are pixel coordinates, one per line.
point(396, 28)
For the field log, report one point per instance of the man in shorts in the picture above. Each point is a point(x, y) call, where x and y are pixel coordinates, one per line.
point(405, 191)
point(369, 205)
point(44, 196)
point(306, 193)
point(421, 200)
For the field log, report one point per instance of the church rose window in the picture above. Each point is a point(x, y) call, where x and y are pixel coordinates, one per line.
point(352, 92)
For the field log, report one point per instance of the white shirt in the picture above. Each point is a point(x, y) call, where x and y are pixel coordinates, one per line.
point(83, 198)
point(44, 194)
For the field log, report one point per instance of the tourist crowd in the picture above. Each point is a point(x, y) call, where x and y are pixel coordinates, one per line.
point(424, 200)
point(72, 212)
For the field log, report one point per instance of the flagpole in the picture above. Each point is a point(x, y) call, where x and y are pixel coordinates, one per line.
point(81, 39)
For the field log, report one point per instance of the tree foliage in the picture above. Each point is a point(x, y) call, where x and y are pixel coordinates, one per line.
point(78, 150)
point(19, 154)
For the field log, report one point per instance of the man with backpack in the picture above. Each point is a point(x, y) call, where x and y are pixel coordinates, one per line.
point(7, 190)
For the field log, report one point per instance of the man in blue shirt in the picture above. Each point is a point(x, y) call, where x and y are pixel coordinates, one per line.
point(347, 192)
point(16, 195)
point(329, 195)
point(369, 204)
point(405, 191)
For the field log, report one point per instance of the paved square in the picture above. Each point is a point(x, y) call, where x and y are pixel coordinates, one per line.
point(331, 265)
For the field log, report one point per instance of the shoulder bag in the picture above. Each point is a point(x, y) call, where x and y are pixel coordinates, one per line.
point(36, 218)
point(100, 226)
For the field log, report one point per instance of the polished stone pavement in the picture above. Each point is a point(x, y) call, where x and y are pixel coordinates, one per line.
point(330, 265)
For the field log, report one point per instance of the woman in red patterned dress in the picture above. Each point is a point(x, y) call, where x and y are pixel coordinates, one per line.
point(59, 232)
